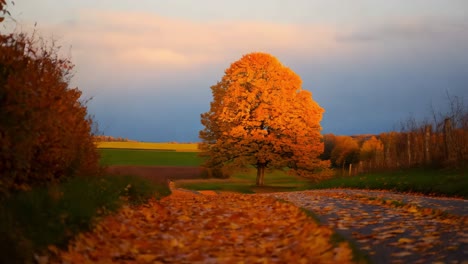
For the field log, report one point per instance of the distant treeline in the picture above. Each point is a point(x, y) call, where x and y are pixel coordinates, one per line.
point(103, 138)
point(440, 143)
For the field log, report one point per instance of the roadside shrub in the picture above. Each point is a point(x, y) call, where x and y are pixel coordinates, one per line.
point(45, 130)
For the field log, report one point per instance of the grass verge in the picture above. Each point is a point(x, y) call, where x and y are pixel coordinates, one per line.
point(31, 221)
point(425, 181)
point(216, 185)
point(358, 256)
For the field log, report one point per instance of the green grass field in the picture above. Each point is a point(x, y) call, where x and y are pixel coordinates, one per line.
point(148, 157)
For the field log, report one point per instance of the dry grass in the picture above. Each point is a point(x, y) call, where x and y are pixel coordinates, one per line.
point(181, 147)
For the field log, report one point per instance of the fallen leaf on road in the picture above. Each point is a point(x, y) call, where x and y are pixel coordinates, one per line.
point(402, 254)
point(187, 227)
point(405, 240)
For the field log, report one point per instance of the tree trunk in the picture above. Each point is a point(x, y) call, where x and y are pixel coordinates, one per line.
point(427, 144)
point(260, 174)
point(387, 157)
point(408, 145)
point(448, 139)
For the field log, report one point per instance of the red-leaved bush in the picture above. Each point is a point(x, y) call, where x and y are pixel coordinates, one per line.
point(45, 130)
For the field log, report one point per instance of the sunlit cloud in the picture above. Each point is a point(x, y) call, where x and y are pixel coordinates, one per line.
point(142, 39)
point(150, 56)
point(129, 50)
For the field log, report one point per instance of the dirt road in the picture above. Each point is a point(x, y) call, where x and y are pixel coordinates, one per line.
point(391, 227)
point(205, 227)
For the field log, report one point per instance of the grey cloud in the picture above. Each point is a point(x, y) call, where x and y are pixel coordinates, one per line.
point(416, 29)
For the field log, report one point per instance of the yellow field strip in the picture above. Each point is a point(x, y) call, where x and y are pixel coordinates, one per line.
point(182, 147)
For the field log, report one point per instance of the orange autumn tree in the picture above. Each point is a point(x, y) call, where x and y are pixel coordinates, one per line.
point(260, 116)
point(345, 151)
point(372, 153)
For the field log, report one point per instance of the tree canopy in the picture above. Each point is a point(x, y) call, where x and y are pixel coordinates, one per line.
point(3, 10)
point(260, 116)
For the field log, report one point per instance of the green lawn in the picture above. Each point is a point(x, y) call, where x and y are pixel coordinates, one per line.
point(244, 182)
point(148, 157)
point(425, 181)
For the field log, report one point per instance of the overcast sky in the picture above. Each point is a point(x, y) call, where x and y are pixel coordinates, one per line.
point(149, 64)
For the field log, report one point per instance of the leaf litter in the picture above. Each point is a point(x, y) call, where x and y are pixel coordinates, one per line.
point(212, 228)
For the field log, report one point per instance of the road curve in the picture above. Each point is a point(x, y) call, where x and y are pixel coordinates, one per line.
point(392, 227)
